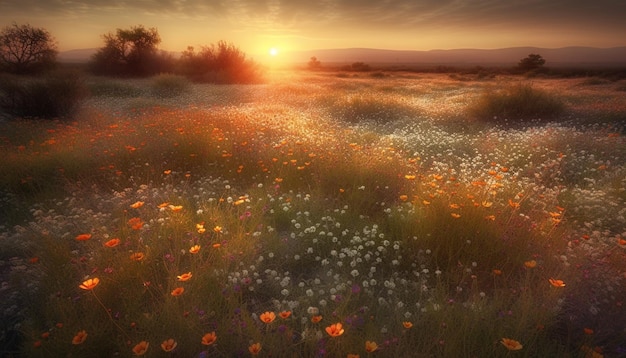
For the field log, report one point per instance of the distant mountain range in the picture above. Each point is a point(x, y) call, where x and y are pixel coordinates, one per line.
point(566, 56)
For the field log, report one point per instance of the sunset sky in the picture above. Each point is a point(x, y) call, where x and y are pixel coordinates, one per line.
point(256, 26)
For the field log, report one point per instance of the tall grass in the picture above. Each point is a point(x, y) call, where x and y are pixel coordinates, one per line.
point(201, 221)
point(519, 102)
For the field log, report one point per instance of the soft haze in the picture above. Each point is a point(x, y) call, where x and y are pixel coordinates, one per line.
point(256, 26)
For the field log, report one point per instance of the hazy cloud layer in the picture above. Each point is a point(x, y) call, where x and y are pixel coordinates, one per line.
point(376, 23)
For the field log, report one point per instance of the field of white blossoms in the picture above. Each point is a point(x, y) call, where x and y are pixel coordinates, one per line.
point(316, 215)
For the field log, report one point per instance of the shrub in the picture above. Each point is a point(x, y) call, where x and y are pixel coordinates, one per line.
point(169, 85)
point(113, 88)
point(57, 94)
point(518, 102)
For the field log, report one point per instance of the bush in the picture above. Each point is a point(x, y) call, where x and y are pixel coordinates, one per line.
point(57, 94)
point(518, 102)
point(168, 85)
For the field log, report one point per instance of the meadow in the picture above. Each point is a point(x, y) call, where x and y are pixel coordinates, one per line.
point(318, 215)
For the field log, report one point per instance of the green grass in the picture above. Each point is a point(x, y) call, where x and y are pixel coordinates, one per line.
point(295, 209)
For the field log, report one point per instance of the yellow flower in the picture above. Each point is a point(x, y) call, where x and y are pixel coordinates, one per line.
point(112, 242)
point(370, 346)
point(200, 228)
point(511, 344)
point(407, 324)
point(455, 215)
point(267, 317)
point(90, 284)
point(194, 249)
point(169, 345)
point(255, 348)
point(335, 330)
point(209, 338)
point(80, 337)
point(184, 277)
point(83, 237)
point(217, 229)
point(176, 208)
point(556, 283)
point(141, 348)
point(178, 291)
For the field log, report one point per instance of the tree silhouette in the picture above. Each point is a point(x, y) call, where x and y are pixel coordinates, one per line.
point(533, 61)
point(26, 49)
point(314, 63)
point(130, 52)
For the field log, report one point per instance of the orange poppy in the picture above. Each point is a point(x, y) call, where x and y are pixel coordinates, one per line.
point(335, 330)
point(209, 338)
point(194, 249)
point(137, 204)
point(169, 345)
point(285, 314)
point(135, 223)
point(83, 237)
point(178, 291)
point(140, 348)
point(217, 229)
point(90, 284)
point(267, 317)
point(407, 324)
point(137, 256)
point(79, 337)
point(511, 344)
point(255, 348)
point(556, 283)
point(316, 319)
point(112, 242)
point(370, 346)
point(184, 277)
point(176, 208)
point(530, 264)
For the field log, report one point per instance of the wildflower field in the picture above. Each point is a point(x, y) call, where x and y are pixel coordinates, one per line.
point(316, 215)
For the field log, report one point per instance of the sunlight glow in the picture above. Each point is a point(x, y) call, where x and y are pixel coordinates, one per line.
point(273, 51)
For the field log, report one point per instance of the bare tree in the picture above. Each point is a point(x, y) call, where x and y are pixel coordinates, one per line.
point(26, 49)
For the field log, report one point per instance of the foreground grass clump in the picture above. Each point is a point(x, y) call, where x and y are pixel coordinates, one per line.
point(56, 94)
point(276, 230)
point(168, 85)
point(518, 102)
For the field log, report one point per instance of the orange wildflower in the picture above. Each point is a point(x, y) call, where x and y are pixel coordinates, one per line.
point(137, 204)
point(176, 208)
point(316, 319)
point(217, 229)
point(556, 283)
point(255, 348)
point(588, 331)
point(513, 204)
point(83, 237)
point(285, 314)
point(90, 284)
point(511, 344)
point(169, 345)
point(407, 324)
point(404, 197)
point(455, 215)
point(79, 337)
point(135, 223)
point(184, 277)
point(370, 346)
point(178, 291)
point(137, 256)
point(140, 348)
point(350, 355)
point(112, 242)
point(335, 330)
point(163, 205)
point(497, 272)
point(209, 338)
point(409, 177)
point(267, 317)
point(194, 249)
point(530, 264)
point(200, 228)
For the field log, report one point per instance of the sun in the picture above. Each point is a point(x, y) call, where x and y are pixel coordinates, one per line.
point(273, 51)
